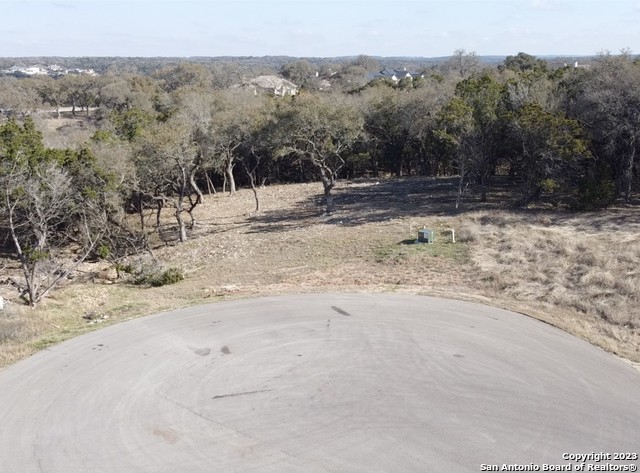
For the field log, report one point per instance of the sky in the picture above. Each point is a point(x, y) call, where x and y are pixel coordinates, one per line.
point(316, 28)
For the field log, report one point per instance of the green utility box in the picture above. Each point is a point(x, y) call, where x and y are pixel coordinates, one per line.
point(425, 236)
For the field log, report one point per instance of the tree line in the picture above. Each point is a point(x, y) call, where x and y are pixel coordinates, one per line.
point(161, 142)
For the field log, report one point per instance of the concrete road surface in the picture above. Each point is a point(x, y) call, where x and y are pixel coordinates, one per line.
point(319, 383)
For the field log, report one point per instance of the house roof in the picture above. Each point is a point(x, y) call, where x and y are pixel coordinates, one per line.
point(272, 82)
point(391, 73)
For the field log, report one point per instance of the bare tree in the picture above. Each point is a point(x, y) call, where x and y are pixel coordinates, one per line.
point(462, 63)
point(18, 97)
point(38, 207)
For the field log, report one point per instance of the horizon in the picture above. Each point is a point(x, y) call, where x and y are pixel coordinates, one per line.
point(316, 28)
point(346, 57)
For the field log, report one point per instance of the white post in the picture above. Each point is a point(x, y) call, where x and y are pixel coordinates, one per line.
point(1, 304)
point(453, 236)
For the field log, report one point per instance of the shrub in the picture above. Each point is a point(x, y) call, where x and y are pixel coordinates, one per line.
point(155, 276)
point(597, 190)
point(103, 251)
point(169, 276)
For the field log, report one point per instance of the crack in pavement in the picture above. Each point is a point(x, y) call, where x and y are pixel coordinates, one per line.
point(241, 394)
point(239, 432)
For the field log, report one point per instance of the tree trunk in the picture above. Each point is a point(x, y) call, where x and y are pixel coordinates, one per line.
point(460, 190)
point(158, 212)
point(194, 185)
point(328, 199)
point(183, 230)
point(252, 181)
point(483, 187)
point(252, 174)
point(460, 185)
point(399, 168)
point(424, 163)
point(375, 172)
point(181, 225)
point(211, 189)
point(141, 211)
point(628, 173)
point(23, 259)
point(192, 223)
point(530, 197)
point(229, 173)
point(327, 183)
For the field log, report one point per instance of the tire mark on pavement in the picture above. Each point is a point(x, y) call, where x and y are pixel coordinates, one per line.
point(340, 311)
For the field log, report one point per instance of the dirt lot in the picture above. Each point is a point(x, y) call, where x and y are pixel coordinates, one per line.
point(576, 271)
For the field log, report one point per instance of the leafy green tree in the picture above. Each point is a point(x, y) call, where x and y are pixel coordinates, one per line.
point(299, 72)
point(126, 92)
point(185, 74)
point(52, 94)
point(81, 91)
point(352, 75)
point(257, 151)
point(457, 136)
point(322, 130)
point(130, 123)
point(550, 151)
point(471, 122)
point(422, 106)
point(608, 102)
point(18, 97)
point(235, 115)
point(522, 62)
point(197, 111)
point(531, 87)
point(387, 126)
point(167, 162)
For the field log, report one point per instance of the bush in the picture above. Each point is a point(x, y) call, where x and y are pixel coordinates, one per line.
point(597, 190)
point(103, 251)
point(169, 276)
point(155, 276)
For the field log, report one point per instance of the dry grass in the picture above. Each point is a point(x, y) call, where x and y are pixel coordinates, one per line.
point(578, 272)
point(21, 331)
point(587, 266)
point(594, 272)
point(66, 131)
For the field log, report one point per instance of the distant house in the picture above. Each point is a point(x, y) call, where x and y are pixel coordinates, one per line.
point(578, 66)
point(272, 84)
point(26, 71)
point(394, 75)
point(52, 71)
point(86, 72)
